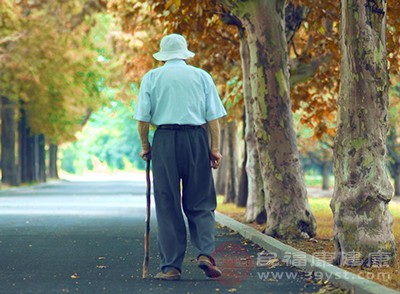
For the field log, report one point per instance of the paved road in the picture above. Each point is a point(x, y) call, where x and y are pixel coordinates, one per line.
point(86, 237)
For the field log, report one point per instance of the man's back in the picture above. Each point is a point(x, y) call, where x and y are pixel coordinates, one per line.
point(179, 94)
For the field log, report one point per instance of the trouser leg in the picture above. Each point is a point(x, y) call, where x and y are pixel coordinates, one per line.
point(199, 197)
point(171, 226)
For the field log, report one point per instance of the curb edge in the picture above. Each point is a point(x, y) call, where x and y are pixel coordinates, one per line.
point(342, 278)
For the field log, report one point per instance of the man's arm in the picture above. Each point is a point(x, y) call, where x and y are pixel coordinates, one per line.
point(143, 128)
point(216, 156)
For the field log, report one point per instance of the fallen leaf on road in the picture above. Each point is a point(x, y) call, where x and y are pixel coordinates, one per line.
point(269, 263)
point(75, 276)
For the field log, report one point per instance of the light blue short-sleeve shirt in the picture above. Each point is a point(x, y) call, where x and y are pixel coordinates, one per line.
point(177, 93)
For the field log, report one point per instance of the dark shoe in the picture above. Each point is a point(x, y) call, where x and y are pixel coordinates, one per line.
point(170, 275)
point(207, 264)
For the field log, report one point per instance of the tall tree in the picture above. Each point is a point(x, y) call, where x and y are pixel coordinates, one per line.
point(42, 158)
point(220, 173)
point(255, 206)
point(53, 167)
point(25, 162)
point(362, 221)
point(8, 130)
point(232, 183)
point(286, 203)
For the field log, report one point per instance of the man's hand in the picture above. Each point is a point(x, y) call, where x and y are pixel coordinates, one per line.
point(145, 154)
point(143, 128)
point(216, 159)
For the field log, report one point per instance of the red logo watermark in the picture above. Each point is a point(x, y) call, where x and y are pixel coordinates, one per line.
point(235, 263)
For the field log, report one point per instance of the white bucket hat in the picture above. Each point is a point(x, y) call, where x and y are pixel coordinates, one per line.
point(173, 46)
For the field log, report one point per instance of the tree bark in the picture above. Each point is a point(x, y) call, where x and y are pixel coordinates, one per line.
point(23, 148)
point(231, 175)
point(220, 173)
point(362, 222)
point(53, 169)
point(33, 168)
point(255, 198)
point(289, 215)
point(42, 158)
point(28, 151)
point(243, 181)
point(36, 162)
point(8, 166)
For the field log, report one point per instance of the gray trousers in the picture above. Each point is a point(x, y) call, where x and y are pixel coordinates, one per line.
point(181, 158)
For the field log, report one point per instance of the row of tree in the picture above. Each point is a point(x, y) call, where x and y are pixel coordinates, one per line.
point(54, 67)
point(289, 59)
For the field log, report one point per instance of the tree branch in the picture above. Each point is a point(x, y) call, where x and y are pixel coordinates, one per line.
point(301, 72)
point(294, 16)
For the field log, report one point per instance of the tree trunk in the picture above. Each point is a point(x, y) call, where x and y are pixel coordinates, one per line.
point(397, 181)
point(255, 198)
point(28, 151)
point(231, 175)
point(23, 148)
point(8, 166)
point(220, 173)
point(53, 169)
point(36, 162)
point(362, 222)
point(243, 181)
point(286, 202)
point(42, 158)
point(326, 172)
point(32, 167)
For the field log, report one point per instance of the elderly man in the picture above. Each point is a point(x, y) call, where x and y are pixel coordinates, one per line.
point(180, 99)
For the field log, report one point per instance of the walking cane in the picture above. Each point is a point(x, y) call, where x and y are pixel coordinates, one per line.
point(147, 231)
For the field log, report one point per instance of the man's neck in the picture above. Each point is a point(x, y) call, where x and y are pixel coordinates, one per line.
point(175, 61)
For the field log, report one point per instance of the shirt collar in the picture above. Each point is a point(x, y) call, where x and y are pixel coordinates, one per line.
point(175, 62)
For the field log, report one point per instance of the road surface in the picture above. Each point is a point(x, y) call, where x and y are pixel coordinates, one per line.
point(87, 237)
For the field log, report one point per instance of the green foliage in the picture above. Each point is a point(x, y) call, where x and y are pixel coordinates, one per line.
point(9, 21)
point(233, 97)
point(68, 158)
point(110, 137)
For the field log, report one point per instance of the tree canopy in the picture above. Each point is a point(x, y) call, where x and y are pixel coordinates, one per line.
point(50, 64)
point(312, 29)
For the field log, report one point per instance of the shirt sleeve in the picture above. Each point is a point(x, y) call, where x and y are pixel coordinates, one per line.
point(214, 107)
point(143, 105)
